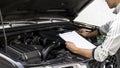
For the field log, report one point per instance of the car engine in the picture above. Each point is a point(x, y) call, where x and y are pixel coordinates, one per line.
point(40, 46)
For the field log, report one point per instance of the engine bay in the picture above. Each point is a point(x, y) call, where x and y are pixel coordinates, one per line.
point(40, 46)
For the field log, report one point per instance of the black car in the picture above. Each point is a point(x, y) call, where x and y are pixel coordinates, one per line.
point(29, 35)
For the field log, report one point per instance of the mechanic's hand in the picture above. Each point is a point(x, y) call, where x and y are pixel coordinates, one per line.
point(84, 32)
point(71, 46)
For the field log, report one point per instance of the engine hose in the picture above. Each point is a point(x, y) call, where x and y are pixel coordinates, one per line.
point(48, 49)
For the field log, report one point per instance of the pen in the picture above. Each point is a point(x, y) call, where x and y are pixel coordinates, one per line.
point(88, 30)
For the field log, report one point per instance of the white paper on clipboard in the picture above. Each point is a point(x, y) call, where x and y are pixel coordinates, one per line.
point(78, 40)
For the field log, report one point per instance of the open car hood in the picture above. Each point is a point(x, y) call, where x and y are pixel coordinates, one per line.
point(22, 9)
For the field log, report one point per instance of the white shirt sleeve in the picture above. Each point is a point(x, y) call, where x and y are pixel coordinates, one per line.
point(112, 42)
point(105, 28)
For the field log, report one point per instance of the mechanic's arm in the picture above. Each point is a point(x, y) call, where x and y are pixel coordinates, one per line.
point(87, 33)
point(84, 52)
point(102, 30)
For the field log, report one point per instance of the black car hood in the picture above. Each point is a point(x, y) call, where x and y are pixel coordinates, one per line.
point(22, 9)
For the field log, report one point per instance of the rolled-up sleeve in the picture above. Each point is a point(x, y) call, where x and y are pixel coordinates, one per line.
point(112, 42)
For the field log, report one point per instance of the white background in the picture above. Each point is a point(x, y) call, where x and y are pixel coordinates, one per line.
point(96, 13)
